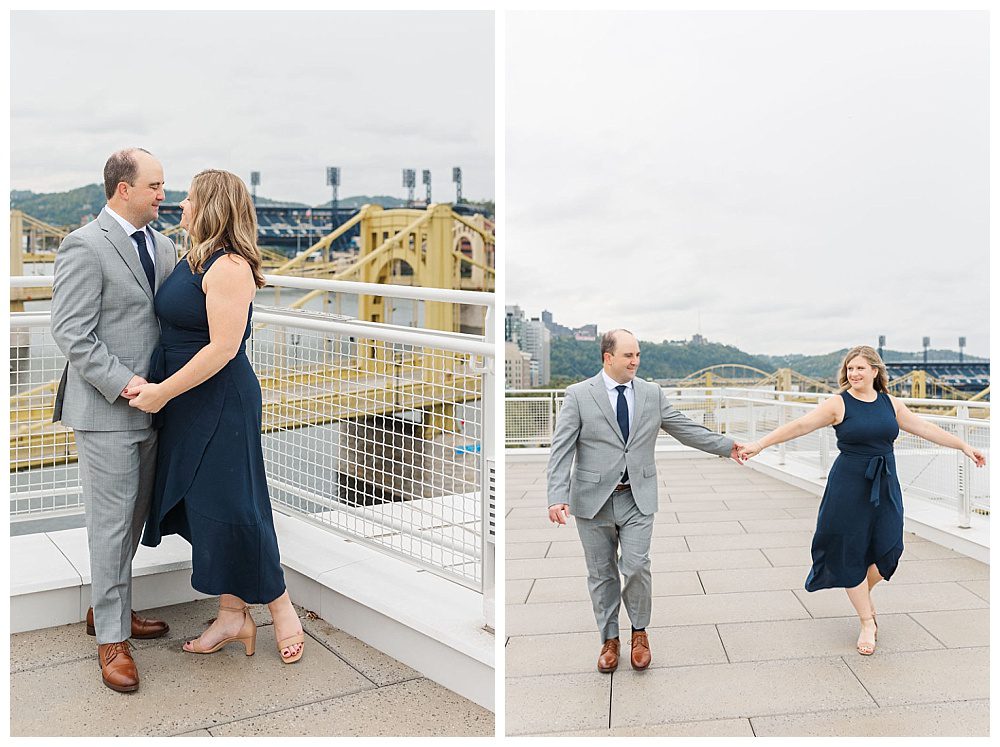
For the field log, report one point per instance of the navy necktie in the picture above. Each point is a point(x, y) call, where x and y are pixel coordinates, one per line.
point(145, 259)
point(622, 414)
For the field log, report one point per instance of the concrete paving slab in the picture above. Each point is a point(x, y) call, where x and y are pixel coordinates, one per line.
point(753, 579)
point(889, 598)
point(517, 590)
point(730, 727)
point(417, 708)
point(762, 514)
point(945, 569)
point(781, 525)
point(834, 636)
point(565, 653)
point(779, 556)
point(546, 567)
point(545, 533)
point(559, 702)
point(521, 550)
point(980, 588)
point(918, 550)
point(688, 505)
point(195, 733)
point(180, 692)
point(574, 549)
point(376, 666)
point(689, 529)
point(733, 691)
point(788, 505)
point(718, 608)
point(925, 676)
point(749, 541)
point(575, 589)
point(962, 719)
point(958, 628)
point(555, 617)
point(804, 512)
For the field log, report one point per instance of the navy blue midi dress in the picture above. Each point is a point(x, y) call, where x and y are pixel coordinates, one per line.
point(210, 485)
point(860, 520)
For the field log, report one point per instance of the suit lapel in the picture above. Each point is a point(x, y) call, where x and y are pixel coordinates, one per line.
point(600, 395)
point(123, 245)
point(640, 400)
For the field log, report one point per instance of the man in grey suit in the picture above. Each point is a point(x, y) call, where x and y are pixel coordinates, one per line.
point(106, 274)
point(608, 426)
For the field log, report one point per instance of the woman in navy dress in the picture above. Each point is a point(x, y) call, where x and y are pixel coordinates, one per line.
point(210, 486)
point(859, 529)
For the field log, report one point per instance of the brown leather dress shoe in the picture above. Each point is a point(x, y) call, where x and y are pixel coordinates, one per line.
point(118, 667)
point(641, 655)
point(141, 626)
point(608, 660)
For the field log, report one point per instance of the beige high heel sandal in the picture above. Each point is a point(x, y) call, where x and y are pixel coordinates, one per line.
point(247, 635)
point(288, 643)
point(866, 649)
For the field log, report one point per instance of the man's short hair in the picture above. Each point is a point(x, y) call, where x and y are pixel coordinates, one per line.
point(609, 340)
point(121, 166)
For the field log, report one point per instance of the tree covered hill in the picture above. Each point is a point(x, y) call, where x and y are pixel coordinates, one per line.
point(576, 359)
point(69, 208)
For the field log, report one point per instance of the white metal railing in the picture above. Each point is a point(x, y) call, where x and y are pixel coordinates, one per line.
point(927, 471)
point(376, 431)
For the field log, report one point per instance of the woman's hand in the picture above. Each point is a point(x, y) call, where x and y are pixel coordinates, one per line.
point(975, 455)
point(150, 398)
point(750, 450)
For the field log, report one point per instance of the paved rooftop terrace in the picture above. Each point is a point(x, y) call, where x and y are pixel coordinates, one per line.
point(341, 687)
point(739, 647)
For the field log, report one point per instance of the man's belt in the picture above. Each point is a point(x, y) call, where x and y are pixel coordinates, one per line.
point(622, 486)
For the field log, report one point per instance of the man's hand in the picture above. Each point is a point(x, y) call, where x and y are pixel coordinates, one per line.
point(559, 513)
point(738, 452)
point(131, 390)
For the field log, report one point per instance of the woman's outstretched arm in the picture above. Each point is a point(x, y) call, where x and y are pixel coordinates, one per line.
point(910, 422)
point(826, 413)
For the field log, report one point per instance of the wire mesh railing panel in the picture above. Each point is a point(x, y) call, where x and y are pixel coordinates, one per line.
point(926, 470)
point(378, 440)
point(529, 421)
point(382, 441)
point(44, 477)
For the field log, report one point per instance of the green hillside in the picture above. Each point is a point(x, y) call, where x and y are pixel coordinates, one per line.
point(575, 359)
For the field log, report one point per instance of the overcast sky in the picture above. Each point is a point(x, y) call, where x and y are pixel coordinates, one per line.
point(783, 182)
point(283, 93)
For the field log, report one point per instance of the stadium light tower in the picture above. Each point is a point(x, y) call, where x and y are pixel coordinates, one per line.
point(410, 183)
point(333, 181)
point(254, 181)
point(961, 350)
point(881, 344)
point(927, 344)
point(456, 176)
point(427, 183)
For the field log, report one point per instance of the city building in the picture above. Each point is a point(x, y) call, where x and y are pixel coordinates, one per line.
point(517, 367)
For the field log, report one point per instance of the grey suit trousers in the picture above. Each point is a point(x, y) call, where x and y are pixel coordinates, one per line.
point(117, 469)
point(611, 580)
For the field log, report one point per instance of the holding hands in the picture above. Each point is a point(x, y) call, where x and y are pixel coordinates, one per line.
point(148, 397)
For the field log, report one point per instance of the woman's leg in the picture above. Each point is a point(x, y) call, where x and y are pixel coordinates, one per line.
point(873, 578)
point(227, 623)
point(863, 606)
point(286, 623)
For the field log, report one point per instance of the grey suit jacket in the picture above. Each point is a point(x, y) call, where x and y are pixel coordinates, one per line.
point(103, 322)
point(588, 434)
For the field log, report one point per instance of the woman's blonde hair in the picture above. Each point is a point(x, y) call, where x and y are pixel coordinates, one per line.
point(223, 217)
point(869, 353)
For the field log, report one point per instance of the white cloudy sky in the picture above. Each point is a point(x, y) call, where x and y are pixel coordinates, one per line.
point(283, 93)
point(792, 182)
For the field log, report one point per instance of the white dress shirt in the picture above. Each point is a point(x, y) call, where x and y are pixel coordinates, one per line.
point(130, 229)
point(611, 385)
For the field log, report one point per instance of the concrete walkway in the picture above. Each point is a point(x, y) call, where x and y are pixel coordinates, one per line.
point(739, 647)
point(341, 687)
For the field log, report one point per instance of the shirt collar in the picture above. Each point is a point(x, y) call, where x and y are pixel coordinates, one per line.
point(128, 227)
point(610, 384)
